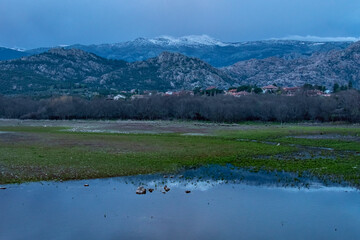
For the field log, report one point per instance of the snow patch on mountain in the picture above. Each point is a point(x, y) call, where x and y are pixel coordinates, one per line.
point(187, 40)
point(311, 38)
point(18, 49)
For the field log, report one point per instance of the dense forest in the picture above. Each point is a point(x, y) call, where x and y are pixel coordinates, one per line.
point(342, 106)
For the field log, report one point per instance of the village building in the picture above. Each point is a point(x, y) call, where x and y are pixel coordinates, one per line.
point(119, 96)
point(235, 93)
point(231, 91)
point(213, 91)
point(179, 93)
point(242, 93)
point(291, 91)
point(269, 89)
point(210, 88)
point(316, 92)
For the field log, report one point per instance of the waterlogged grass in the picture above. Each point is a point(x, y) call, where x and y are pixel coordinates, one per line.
point(47, 153)
point(332, 169)
point(287, 135)
point(32, 129)
point(92, 155)
point(338, 161)
point(267, 132)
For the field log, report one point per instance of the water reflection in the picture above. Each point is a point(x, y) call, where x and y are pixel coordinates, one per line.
point(205, 178)
point(224, 203)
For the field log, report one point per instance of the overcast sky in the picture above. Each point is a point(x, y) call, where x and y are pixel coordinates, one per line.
point(35, 23)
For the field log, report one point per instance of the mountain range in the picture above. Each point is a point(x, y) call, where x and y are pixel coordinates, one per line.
point(74, 71)
point(210, 50)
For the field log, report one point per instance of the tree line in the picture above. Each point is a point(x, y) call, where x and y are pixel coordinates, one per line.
point(343, 106)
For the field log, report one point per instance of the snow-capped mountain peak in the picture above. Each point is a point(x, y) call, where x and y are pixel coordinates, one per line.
point(191, 40)
point(18, 49)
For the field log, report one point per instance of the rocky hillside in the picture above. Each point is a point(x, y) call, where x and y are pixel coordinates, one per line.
point(59, 70)
point(337, 66)
point(168, 71)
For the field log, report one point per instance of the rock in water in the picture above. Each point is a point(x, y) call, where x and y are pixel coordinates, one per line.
point(141, 190)
point(187, 191)
point(150, 190)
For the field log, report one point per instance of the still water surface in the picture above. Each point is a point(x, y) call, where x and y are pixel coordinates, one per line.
point(256, 207)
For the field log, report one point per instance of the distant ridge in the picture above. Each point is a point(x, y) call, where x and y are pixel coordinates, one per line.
point(7, 54)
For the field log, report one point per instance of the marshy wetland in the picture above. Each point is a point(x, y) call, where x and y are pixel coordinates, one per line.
point(67, 150)
point(79, 178)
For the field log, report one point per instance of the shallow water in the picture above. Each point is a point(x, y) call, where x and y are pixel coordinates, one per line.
point(257, 207)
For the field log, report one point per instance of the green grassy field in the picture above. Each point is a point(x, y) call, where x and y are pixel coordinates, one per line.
point(29, 153)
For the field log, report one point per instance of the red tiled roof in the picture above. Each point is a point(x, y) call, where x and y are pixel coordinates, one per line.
point(210, 88)
point(270, 87)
